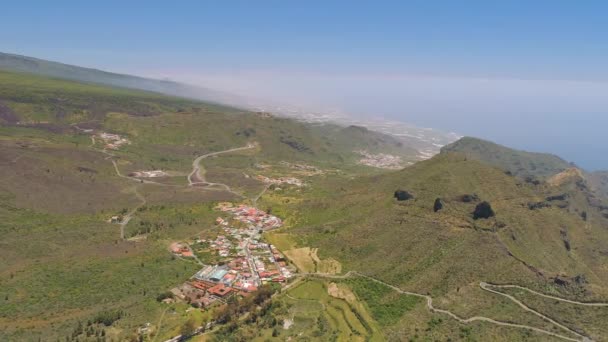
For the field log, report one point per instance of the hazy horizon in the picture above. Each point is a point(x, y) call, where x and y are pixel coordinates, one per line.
point(550, 116)
point(530, 76)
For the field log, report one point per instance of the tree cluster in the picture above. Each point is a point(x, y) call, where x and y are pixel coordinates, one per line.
point(483, 210)
point(259, 310)
point(402, 195)
point(108, 317)
point(438, 205)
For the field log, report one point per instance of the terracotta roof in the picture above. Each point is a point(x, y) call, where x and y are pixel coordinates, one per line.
point(220, 290)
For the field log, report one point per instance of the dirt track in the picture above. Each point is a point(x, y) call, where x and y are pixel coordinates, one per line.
point(129, 215)
point(195, 173)
point(200, 180)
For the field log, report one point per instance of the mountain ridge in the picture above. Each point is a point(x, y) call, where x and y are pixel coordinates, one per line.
point(69, 149)
point(545, 237)
point(426, 141)
point(531, 166)
point(519, 163)
point(20, 63)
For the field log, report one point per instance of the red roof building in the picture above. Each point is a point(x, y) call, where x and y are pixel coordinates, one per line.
point(220, 290)
point(199, 285)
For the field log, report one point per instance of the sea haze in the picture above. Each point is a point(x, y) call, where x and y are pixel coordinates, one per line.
point(566, 118)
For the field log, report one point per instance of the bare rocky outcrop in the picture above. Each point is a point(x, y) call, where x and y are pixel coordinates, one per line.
point(569, 175)
point(575, 283)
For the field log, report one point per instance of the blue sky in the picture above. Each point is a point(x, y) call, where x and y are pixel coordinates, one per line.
point(530, 74)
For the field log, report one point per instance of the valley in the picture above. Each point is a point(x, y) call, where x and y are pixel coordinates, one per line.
point(128, 215)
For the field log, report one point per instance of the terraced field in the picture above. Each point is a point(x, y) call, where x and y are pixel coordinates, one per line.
point(326, 310)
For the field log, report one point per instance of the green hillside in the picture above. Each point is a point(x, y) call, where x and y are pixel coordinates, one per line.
point(519, 163)
point(551, 248)
point(527, 165)
point(70, 268)
point(64, 263)
point(24, 64)
point(57, 105)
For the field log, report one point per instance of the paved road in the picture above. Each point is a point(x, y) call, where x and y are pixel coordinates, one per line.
point(196, 167)
point(254, 269)
point(484, 286)
point(429, 299)
point(510, 286)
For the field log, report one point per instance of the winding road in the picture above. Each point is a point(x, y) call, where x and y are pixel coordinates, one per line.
point(486, 287)
point(139, 180)
point(111, 156)
point(125, 220)
point(195, 172)
point(200, 178)
point(509, 286)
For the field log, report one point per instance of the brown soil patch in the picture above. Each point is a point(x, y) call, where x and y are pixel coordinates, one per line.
point(7, 115)
point(341, 292)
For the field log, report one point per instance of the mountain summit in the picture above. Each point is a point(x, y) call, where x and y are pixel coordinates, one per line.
point(519, 163)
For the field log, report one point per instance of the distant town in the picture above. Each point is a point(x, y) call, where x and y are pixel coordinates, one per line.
point(380, 160)
point(113, 141)
point(281, 180)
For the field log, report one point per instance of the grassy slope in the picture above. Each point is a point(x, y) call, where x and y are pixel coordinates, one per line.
point(534, 166)
point(519, 163)
point(354, 221)
point(591, 320)
point(64, 262)
point(35, 99)
point(35, 66)
point(447, 253)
